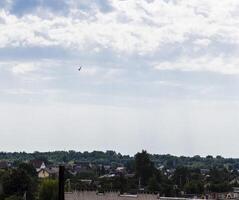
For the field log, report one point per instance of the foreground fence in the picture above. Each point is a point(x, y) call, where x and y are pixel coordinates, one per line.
point(114, 196)
point(107, 196)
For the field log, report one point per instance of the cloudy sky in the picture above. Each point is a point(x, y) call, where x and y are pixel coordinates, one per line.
point(161, 75)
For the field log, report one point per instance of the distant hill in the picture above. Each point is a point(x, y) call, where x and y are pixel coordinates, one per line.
point(109, 157)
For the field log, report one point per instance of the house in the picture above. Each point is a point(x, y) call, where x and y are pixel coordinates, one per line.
point(86, 181)
point(120, 170)
point(4, 164)
point(43, 173)
point(235, 193)
point(234, 181)
point(236, 189)
point(204, 171)
point(130, 175)
point(38, 164)
point(48, 172)
point(107, 167)
point(82, 167)
point(108, 176)
point(160, 167)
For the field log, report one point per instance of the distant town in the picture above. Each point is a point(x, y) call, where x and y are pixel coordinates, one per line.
point(35, 175)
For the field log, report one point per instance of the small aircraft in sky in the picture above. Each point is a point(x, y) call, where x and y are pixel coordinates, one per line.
point(79, 68)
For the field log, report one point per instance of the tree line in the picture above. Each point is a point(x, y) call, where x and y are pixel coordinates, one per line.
point(108, 157)
point(164, 174)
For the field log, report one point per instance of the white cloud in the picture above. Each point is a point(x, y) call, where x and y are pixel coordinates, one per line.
point(19, 91)
point(202, 42)
point(24, 68)
point(219, 64)
point(90, 71)
point(132, 26)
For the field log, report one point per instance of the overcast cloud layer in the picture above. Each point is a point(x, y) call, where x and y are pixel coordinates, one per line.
point(161, 75)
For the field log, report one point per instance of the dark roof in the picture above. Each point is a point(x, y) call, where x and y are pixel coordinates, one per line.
point(36, 163)
point(3, 164)
point(53, 170)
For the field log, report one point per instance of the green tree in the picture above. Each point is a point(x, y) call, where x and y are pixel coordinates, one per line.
point(209, 157)
point(194, 187)
point(18, 182)
point(144, 167)
point(28, 168)
point(219, 180)
point(153, 185)
point(130, 166)
point(48, 190)
point(181, 176)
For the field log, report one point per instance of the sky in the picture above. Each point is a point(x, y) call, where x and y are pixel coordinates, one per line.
point(160, 75)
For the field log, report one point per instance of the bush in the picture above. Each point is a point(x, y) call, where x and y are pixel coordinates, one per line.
point(48, 190)
point(13, 198)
